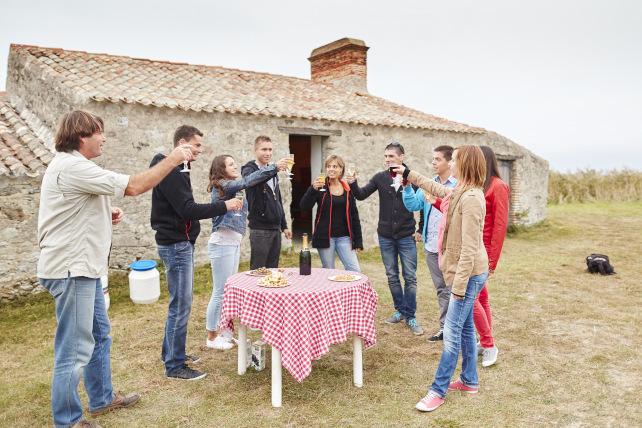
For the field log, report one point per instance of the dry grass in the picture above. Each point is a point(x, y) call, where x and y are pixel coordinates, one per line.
point(590, 185)
point(569, 348)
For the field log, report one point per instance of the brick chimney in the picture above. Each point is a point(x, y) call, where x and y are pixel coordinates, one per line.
point(342, 63)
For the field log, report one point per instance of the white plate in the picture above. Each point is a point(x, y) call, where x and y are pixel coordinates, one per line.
point(251, 273)
point(354, 278)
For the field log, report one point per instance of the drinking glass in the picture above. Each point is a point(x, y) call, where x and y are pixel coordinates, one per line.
point(322, 178)
point(393, 174)
point(351, 169)
point(185, 167)
point(240, 195)
point(290, 164)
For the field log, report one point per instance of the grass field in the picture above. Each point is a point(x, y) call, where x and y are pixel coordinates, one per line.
point(569, 348)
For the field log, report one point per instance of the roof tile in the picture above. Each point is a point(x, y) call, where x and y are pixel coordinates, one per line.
point(102, 77)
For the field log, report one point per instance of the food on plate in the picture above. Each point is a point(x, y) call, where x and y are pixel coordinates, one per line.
point(275, 280)
point(261, 271)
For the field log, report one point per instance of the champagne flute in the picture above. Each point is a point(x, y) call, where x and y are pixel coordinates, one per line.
point(351, 170)
point(322, 178)
point(290, 164)
point(185, 166)
point(240, 195)
point(393, 174)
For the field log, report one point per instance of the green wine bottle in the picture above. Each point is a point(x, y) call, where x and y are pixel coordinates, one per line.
point(305, 258)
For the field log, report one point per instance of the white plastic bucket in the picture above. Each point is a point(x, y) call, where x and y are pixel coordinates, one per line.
point(144, 282)
point(104, 280)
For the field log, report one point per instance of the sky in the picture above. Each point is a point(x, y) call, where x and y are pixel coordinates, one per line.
point(562, 78)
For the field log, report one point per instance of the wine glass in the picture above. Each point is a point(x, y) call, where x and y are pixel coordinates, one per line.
point(240, 195)
point(393, 174)
point(290, 164)
point(185, 166)
point(351, 170)
point(322, 178)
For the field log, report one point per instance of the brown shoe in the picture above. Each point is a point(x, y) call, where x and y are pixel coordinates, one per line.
point(120, 401)
point(84, 423)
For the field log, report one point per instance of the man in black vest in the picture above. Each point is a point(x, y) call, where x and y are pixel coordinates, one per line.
point(266, 217)
point(396, 236)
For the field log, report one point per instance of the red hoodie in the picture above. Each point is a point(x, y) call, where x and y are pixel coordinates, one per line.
point(496, 221)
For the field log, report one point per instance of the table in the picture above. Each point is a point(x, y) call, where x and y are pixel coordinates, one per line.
point(301, 321)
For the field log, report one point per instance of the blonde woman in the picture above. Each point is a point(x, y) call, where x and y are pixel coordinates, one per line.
point(464, 263)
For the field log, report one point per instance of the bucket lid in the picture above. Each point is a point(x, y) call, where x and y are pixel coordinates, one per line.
point(143, 265)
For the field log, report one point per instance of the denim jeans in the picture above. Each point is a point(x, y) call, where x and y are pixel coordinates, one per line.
point(82, 343)
point(459, 334)
point(225, 263)
point(404, 249)
point(265, 248)
point(178, 259)
point(443, 291)
point(343, 247)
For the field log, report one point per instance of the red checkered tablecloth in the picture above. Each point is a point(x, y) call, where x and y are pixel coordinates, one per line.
point(305, 318)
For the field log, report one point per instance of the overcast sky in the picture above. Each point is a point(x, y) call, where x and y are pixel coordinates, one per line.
point(563, 78)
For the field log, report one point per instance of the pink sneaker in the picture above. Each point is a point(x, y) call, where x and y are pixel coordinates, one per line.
point(430, 402)
point(459, 386)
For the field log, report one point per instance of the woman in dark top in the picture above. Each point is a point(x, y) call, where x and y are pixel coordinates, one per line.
point(337, 228)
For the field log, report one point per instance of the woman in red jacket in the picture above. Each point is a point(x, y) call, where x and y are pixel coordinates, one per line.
point(495, 225)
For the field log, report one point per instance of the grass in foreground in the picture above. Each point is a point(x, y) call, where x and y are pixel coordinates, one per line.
point(568, 344)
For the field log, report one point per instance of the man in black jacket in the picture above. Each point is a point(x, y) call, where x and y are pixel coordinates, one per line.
point(266, 217)
point(175, 218)
point(396, 237)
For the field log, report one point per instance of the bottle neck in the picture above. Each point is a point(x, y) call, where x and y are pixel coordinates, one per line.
point(305, 242)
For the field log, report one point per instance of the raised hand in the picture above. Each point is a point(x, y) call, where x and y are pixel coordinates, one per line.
point(180, 154)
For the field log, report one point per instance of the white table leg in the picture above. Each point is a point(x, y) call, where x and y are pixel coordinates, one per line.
point(242, 349)
point(357, 361)
point(276, 377)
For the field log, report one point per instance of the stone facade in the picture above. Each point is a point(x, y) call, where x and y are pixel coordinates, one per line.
point(136, 132)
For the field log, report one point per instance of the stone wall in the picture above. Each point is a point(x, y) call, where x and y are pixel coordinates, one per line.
point(135, 133)
point(18, 236)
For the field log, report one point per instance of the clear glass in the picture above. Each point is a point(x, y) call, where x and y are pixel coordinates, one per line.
point(290, 164)
point(185, 167)
point(240, 195)
point(322, 178)
point(393, 174)
point(351, 169)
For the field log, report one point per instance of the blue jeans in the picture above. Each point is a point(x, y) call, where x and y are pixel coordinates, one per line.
point(459, 333)
point(82, 343)
point(404, 249)
point(225, 263)
point(343, 247)
point(178, 259)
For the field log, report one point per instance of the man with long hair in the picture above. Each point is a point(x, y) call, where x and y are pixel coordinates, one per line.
point(75, 222)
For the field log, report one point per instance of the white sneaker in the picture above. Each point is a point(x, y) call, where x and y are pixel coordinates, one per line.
point(489, 356)
point(219, 343)
point(227, 335)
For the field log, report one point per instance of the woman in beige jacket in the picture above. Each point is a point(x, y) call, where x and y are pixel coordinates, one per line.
point(464, 263)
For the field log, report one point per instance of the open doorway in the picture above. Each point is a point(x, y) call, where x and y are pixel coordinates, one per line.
point(301, 147)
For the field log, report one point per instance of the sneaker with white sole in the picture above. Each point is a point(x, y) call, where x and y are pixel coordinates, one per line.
point(220, 343)
point(186, 373)
point(227, 334)
point(489, 356)
point(414, 326)
point(394, 318)
point(458, 385)
point(430, 402)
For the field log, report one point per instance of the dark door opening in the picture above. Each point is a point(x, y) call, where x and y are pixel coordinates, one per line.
point(300, 146)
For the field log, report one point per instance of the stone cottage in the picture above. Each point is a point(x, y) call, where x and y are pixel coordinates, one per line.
point(142, 101)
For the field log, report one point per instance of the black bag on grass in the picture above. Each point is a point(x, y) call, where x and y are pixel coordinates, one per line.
point(599, 263)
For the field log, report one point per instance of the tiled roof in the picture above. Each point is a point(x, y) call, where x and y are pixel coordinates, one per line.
point(21, 151)
point(102, 77)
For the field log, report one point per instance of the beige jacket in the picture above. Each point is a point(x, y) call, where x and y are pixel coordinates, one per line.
point(462, 250)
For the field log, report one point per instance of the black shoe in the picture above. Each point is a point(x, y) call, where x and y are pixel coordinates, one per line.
point(437, 337)
point(188, 358)
point(186, 373)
